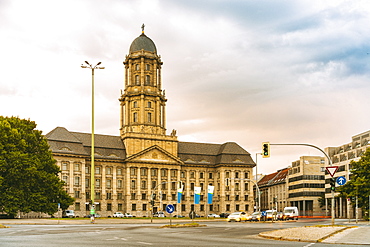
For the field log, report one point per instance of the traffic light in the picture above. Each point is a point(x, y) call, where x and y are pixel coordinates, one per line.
point(152, 203)
point(227, 182)
point(332, 184)
point(265, 149)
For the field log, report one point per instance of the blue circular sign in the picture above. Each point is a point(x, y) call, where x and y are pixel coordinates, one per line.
point(341, 180)
point(170, 208)
point(264, 213)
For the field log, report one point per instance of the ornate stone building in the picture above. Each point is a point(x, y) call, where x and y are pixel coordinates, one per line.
point(144, 160)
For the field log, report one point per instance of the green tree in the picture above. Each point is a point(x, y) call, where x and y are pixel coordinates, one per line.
point(28, 173)
point(359, 185)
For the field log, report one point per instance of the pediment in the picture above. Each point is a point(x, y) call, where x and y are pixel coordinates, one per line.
point(154, 154)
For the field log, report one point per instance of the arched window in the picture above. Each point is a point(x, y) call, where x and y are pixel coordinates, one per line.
point(135, 117)
point(134, 104)
point(149, 104)
point(147, 67)
point(137, 67)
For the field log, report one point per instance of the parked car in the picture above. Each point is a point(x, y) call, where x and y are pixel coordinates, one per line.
point(280, 216)
point(237, 216)
point(127, 215)
point(68, 214)
point(224, 215)
point(256, 216)
point(159, 214)
point(118, 215)
point(271, 215)
point(213, 216)
point(178, 216)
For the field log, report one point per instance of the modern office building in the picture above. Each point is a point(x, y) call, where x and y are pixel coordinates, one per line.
point(342, 156)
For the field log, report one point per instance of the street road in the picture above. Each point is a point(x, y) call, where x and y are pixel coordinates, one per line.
point(216, 233)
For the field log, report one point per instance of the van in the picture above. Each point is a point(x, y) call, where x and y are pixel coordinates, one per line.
point(69, 214)
point(291, 213)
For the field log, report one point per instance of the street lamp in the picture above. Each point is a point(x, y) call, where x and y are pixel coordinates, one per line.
point(89, 66)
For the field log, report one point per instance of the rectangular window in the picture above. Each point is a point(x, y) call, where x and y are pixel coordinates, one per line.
point(154, 172)
point(109, 183)
point(77, 181)
point(163, 172)
point(109, 196)
point(210, 175)
point(87, 183)
point(65, 179)
point(133, 196)
point(143, 184)
point(119, 171)
point(133, 184)
point(144, 172)
point(236, 174)
point(97, 170)
point(77, 167)
point(237, 186)
point(201, 175)
point(144, 207)
point(246, 175)
point(119, 196)
point(97, 183)
point(154, 184)
point(64, 166)
point(77, 194)
point(88, 196)
point(133, 207)
point(246, 186)
point(97, 195)
point(143, 196)
point(108, 170)
point(119, 207)
point(87, 169)
point(192, 175)
point(119, 184)
point(77, 206)
point(173, 173)
point(202, 208)
point(97, 207)
point(109, 206)
point(133, 171)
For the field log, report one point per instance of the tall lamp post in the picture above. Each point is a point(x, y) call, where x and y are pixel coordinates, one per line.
point(92, 172)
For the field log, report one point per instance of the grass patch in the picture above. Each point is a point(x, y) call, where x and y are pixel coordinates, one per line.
point(183, 225)
point(2, 226)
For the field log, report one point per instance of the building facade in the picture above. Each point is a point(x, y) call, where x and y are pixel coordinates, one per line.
point(306, 184)
point(143, 160)
point(342, 156)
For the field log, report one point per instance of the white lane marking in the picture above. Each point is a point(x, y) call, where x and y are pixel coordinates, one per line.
point(144, 243)
point(309, 245)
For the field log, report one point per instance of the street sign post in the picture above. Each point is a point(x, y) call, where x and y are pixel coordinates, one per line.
point(169, 209)
point(331, 170)
point(341, 180)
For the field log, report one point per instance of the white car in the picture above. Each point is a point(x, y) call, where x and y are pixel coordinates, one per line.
point(213, 216)
point(237, 216)
point(128, 215)
point(118, 215)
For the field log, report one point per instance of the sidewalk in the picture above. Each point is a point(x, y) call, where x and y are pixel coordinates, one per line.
point(359, 235)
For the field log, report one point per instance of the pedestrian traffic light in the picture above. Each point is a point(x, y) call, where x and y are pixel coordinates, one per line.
point(332, 184)
point(265, 149)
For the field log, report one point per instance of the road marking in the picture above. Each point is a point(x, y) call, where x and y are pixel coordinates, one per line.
point(144, 243)
point(309, 245)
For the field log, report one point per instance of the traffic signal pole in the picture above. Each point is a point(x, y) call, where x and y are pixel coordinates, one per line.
point(264, 146)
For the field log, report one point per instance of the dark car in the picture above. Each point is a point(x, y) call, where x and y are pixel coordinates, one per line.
point(224, 215)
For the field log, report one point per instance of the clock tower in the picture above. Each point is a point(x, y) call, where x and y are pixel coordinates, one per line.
point(143, 102)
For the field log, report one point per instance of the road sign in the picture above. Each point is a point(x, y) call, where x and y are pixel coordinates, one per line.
point(263, 213)
point(331, 170)
point(170, 208)
point(341, 180)
point(192, 215)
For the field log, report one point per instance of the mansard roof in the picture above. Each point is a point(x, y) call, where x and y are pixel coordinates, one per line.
point(66, 142)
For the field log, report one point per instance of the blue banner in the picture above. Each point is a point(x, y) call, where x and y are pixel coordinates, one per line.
point(210, 194)
point(197, 195)
point(179, 195)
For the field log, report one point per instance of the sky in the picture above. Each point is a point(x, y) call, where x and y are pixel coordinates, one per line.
point(283, 71)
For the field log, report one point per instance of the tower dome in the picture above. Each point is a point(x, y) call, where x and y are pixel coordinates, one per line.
point(143, 42)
